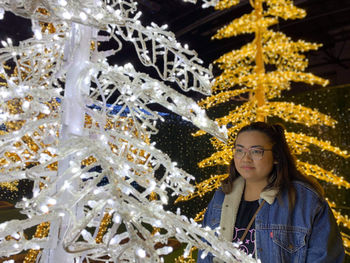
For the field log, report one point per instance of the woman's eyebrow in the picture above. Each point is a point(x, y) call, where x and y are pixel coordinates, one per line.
point(253, 146)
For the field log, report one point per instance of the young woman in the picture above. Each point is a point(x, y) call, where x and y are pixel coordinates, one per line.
point(277, 213)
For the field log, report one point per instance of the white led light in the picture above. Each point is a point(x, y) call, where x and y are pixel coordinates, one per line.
point(2, 12)
point(3, 226)
point(117, 219)
point(164, 199)
point(141, 253)
point(35, 246)
point(158, 223)
point(51, 201)
point(75, 169)
point(35, 193)
point(66, 185)
point(15, 235)
point(83, 16)
point(44, 208)
point(97, 191)
point(67, 15)
point(46, 110)
point(25, 105)
point(38, 35)
point(62, 2)
point(99, 16)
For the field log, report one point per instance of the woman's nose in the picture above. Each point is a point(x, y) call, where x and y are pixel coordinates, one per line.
point(247, 156)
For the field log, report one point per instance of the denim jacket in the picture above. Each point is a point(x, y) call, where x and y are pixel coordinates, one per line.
point(308, 233)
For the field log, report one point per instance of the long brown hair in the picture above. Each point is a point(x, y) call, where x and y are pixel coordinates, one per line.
point(284, 170)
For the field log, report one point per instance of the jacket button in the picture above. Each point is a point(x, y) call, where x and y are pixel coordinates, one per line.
point(290, 246)
point(224, 228)
point(226, 205)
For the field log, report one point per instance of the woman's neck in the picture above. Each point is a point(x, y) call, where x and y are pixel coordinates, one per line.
point(252, 190)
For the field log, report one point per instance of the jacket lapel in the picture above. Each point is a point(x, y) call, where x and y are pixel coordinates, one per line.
point(230, 209)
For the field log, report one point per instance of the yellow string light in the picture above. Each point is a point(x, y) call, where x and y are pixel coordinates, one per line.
point(346, 242)
point(344, 220)
point(300, 142)
point(106, 220)
point(244, 25)
point(222, 97)
point(188, 259)
point(223, 4)
point(322, 174)
point(290, 112)
point(204, 187)
point(284, 9)
point(200, 216)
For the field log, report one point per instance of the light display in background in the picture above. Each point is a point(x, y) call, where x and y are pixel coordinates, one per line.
point(61, 134)
point(246, 77)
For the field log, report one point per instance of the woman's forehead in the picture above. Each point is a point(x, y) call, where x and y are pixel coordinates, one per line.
point(252, 139)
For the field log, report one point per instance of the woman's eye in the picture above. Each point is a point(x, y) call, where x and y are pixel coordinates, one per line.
point(239, 150)
point(257, 151)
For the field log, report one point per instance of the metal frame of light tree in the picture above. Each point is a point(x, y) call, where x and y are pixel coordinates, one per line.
point(49, 139)
point(243, 73)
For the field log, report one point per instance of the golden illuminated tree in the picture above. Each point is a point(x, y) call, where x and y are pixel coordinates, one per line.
point(245, 74)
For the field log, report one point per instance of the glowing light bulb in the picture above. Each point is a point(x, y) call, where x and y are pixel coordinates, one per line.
point(67, 15)
point(38, 35)
point(83, 16)
point(62, 2)
point(117, 219)
point(15, 235)
point(4, 43)
point(25, 105)
point(44, 208)
point(141, 252)
point(99, 16)
point(51, 201)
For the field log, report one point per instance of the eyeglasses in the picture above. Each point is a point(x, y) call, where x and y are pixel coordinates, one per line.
point(255, 153)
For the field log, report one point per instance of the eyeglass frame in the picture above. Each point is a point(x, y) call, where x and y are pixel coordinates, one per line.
point(245, 150)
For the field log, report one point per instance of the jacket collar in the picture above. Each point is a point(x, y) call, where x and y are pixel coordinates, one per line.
point(267, 195)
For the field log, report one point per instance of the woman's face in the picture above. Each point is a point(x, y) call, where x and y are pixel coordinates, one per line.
point(250, 147)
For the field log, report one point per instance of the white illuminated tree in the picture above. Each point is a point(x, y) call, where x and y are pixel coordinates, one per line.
point(62, 135)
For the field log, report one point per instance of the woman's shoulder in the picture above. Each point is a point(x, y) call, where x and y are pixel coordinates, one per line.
point(218, 197)
point(219, 193)
point(305, 190)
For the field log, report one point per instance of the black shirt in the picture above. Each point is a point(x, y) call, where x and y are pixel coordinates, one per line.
point(246, 211)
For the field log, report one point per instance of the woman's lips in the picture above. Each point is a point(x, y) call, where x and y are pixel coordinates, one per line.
point(247, 167)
